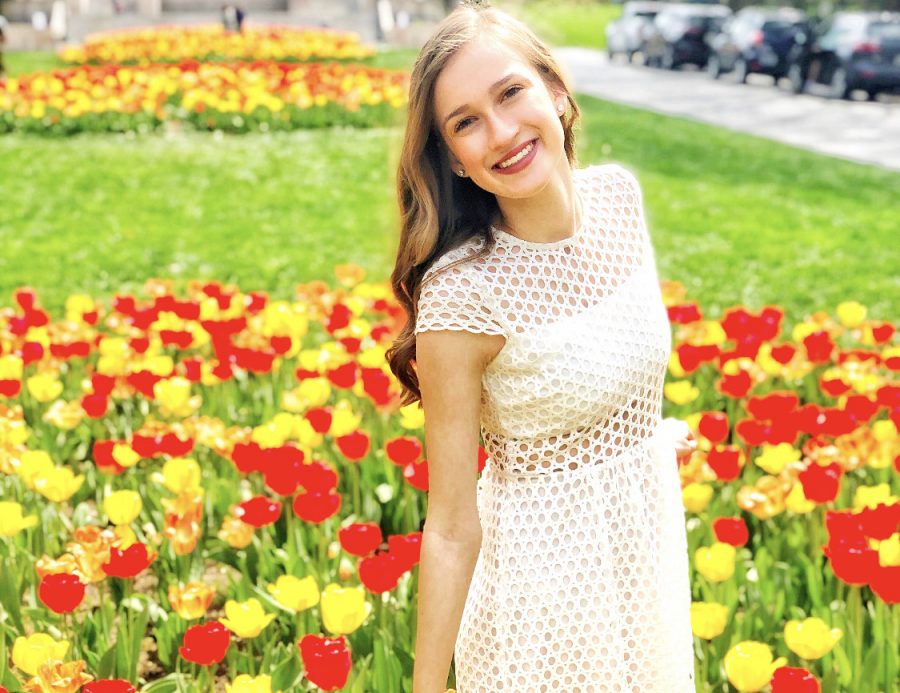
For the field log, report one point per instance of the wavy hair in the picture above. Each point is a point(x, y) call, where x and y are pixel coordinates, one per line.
point(438, 210)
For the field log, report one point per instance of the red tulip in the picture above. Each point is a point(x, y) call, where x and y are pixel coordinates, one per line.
point(881, 521)
point(205, 644)
point(327, 661)
point(416, 473)
point(10, 388)
point(691, 356)
point(380, 572)
point(259, 511)
point(280, 344)
point(482, 459)
point(282, 468)
point(735, 386)
point(109, 686)
point(821, 484)
point(130, 562)
point(731, 530)
point(319, 419)
point(360, 538)
point(318, 476)
point(317, 506)
point(684, 314)
point(62, 592)
point(714, 426)
point(783, 353)
point(406, 547)
point(852, 563)
point(343, 376)
point(834, 387)
point(103, 384)
point(95, 406)
point(377, 385)
point(794, 680)
point(861, 408)
point(339, 318)
point(248, 457)
point(882, 332)
point(354, 446)
point(773, 405)
point(725, 461)
point(103, 456)
point(819, 347)
point(402, 451)
point(885, 582)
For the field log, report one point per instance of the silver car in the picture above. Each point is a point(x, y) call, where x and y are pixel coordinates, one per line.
point(625, 35)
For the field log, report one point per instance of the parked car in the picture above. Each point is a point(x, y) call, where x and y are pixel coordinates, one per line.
point(625, 34)
point(755, 39)
point(678, 35)
point(848, 51)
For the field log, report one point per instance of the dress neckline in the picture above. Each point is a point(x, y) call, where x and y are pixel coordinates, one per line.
point(512, 239)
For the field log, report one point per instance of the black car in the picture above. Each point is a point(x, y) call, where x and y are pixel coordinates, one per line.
point(679, 34)
point(756, 39)
point(626, 34)
point(849, 51)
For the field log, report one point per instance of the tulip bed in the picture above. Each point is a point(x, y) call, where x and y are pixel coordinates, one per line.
point(207, 43)
point(220, 490)
point(141, 81)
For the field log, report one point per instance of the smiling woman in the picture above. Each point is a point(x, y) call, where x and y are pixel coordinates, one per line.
point(535, 324)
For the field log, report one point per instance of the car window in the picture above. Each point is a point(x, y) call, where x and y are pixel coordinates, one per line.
point(885, 30)
point(780, 27)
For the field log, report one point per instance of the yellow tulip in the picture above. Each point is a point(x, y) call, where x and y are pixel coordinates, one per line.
point(412, 416)
point(58, 484)
point(125, 455)
point(681, 392)
point(797, 502)
point(180, 475)
point(192, 600)
point(871, 496)
point(174, 396)
point(716, 562)
point(811, 638)
point(851, 313)
point(708, 619)
point(64, 415)
point(246, 619)
point(696, 497)
point(343, 420)
point(44, 387)
point(775, 458)
point(675, 367)
point(889, 551)
point(11, 520)
point(749, 666)
point(122, 507)
point(30, 652)
point(33, 463)
point(59, 677)
point(295, 593)
point(247, 684)
point(343, 608)
point(11, 367)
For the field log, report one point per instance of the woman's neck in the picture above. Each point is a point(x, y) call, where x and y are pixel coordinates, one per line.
point(551, 215)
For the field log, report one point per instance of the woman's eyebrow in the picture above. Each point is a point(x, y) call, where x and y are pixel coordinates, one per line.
point(494, 87)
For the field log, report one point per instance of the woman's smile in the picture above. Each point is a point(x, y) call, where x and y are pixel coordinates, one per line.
point(518, 159)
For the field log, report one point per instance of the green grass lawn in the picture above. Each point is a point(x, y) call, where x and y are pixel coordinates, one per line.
point(738, 219)
point(565, 22)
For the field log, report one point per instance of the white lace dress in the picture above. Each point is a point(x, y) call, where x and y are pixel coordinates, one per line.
point(581, 584)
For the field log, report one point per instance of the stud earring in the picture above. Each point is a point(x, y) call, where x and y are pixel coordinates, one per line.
point(560, 107)
point(461, 173)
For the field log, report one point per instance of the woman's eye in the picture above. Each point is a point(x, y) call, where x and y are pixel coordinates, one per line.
point(461, 124)
point(512, 91)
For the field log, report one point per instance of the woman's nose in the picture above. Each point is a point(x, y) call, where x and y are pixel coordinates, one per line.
point(502, 132)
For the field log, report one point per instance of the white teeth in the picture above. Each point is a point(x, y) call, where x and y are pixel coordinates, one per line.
point(518, 157)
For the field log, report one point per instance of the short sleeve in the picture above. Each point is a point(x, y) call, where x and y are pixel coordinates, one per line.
point(455, 298)
point(626, 194)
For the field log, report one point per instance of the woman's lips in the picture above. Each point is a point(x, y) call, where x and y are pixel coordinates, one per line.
point(522, 163)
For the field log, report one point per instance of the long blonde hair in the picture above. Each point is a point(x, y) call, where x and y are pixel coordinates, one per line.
point(439, 210)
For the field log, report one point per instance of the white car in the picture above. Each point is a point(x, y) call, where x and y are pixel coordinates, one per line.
point(625, 35)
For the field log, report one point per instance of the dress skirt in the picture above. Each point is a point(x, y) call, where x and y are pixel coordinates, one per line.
point(581, 584)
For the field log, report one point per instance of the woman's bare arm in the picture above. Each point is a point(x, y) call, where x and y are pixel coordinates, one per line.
point(449, 366)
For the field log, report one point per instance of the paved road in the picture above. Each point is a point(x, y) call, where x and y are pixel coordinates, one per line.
point(860, 131)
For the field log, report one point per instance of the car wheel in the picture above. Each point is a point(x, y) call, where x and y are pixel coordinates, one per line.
point(839, 87)
point(630, 56)
point(714, 67)
point(610, 54)
point(795, 77)
point(668, 58)
point(873, 95)
point(740, 70)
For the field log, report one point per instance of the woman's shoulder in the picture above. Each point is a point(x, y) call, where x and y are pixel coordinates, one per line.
point(609, 176)
point(463, 259)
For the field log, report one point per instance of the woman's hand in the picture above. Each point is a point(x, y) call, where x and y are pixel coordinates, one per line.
point(683, 438)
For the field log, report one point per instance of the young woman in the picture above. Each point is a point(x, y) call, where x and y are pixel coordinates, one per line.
point(536, 324)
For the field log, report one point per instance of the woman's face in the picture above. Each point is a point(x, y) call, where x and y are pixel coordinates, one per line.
point(498, 119)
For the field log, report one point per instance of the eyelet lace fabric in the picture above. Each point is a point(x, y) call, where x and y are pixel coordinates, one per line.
point(581, 584)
